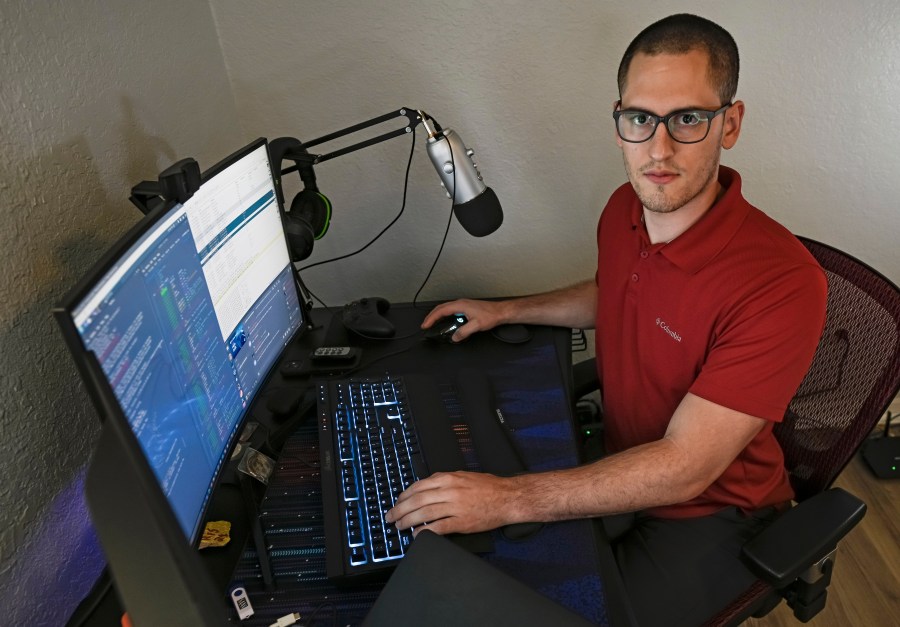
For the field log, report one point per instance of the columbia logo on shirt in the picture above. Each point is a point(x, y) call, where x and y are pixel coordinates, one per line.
point(665, 327)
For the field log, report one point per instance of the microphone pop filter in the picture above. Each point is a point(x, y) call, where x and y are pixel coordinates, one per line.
point(482, 215)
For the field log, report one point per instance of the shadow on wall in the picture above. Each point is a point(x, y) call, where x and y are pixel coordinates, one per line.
point(145, 155)
point(63, 219)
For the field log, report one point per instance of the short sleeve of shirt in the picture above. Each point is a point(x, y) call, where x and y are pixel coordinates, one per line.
point(764, 343)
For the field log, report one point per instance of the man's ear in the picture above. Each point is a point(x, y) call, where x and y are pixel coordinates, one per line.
point(618, 139)
point(733, 118)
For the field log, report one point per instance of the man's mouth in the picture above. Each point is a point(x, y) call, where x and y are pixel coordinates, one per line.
point(660, 177)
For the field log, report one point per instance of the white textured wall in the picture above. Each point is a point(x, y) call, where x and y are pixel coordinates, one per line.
point(94, 97)
point(529, 85)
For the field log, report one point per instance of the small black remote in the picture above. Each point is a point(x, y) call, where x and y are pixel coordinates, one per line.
point(334, 354)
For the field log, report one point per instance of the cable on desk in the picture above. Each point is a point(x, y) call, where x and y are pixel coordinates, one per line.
point(286, 620)
point(344, 373)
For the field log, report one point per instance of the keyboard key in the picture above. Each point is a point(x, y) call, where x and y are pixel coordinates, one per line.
point(394, 548)
point(358, 556)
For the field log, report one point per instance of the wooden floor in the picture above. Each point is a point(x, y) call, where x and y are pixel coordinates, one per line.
point(865, 586)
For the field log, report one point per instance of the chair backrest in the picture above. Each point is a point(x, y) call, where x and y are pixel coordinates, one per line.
point(854, 376)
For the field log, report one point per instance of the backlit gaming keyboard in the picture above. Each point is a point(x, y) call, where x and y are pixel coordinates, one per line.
point(370, 453)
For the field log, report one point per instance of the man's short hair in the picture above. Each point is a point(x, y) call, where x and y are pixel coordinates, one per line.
point(682, 33)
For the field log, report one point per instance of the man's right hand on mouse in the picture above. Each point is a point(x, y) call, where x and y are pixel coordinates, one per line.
point(482, 315)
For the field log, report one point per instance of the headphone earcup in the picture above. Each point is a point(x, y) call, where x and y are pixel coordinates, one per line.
point(315, 208)
point(299, 237)
point(307, 221)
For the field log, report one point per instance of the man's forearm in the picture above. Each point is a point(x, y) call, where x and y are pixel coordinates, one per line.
point(645, 476)
point(702, 439)
point(574, 306)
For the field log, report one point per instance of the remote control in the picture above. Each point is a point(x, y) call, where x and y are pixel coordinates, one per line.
point(331, 351)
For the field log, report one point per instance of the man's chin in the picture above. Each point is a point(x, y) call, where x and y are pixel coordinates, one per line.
point(662, 209)
point(657, 202)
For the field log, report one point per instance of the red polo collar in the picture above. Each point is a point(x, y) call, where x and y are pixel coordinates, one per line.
point(705, 239)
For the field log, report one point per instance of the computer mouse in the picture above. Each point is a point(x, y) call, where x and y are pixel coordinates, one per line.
point(444, 328)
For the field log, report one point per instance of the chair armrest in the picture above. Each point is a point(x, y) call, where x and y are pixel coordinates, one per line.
point(584, 378)
point(802, 536)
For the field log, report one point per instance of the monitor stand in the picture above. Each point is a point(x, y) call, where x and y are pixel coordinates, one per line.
point(259, 538)
point(159, 577)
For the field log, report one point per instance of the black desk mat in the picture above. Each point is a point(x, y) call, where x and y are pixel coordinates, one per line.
point(560, 561)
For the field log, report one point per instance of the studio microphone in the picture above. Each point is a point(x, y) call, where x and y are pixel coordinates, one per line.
point(475, 204)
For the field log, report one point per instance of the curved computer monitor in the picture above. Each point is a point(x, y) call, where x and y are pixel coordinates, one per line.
point(174, 332)
point(187, 316)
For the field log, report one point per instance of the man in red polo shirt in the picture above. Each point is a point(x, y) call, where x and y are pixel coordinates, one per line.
point(707, 315)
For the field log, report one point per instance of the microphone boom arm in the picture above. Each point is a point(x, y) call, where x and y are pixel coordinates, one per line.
point(413, 117)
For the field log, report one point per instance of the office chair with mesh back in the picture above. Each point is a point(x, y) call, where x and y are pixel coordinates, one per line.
point(854, 376)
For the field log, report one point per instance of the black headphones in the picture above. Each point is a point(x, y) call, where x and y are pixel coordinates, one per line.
point(310, 214)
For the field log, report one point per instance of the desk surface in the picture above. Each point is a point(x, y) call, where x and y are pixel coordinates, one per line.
point(531, 384)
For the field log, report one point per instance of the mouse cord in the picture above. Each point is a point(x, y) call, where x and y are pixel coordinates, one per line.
point(366, 364)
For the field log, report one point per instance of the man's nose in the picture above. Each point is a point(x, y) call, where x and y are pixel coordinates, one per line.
point(662, 145)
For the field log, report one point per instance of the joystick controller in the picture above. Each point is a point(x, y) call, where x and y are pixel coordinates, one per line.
point(366, 317)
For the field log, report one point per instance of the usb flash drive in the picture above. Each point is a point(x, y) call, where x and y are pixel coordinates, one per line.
point(241, 603)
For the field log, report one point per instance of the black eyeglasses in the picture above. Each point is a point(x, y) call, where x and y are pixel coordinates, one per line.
point(686, 126)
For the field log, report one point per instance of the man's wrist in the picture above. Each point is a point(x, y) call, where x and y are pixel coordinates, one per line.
point(506, 311)
point(519, 504)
